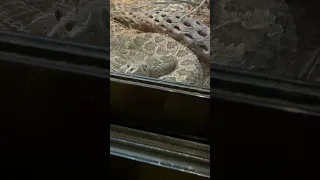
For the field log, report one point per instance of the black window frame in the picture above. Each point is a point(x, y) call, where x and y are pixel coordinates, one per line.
point(265, 90)
point(38, 74)
point(166, 108)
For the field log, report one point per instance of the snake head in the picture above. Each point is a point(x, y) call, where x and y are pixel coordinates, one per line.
point(139, 69)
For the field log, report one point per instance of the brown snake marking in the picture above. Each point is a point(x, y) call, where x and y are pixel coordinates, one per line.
point(192, 33)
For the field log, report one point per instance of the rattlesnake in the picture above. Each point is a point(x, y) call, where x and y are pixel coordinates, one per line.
point(75, 20)
point(156, 56)
point(181, 64)
point(253, 34)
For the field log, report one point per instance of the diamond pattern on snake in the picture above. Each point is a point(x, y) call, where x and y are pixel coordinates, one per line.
point(158, 44)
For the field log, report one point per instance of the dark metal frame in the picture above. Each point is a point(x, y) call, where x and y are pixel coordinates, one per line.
point(177, 154)
point(151, 105)
point(40, 73)
point(265, 90)
point(48, 72)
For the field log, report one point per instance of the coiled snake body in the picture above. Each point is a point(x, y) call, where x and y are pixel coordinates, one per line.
point(157, 55)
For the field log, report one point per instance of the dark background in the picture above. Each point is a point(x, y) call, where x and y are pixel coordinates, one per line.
point(254, 142)
point(54, 123)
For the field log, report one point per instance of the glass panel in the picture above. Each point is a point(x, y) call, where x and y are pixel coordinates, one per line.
point(275, 37)
point(142, 171)
point(81, 21)
point(163, 40)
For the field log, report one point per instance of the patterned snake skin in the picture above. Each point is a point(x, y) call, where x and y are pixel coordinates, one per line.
point(253, 34)
point(155, 55)
point(192, 33)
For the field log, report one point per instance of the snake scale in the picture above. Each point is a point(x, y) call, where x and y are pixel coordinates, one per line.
point(253, 34)
point(175, 57)
point(168, 48)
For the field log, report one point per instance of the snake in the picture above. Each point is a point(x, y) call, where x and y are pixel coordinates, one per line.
point(258, 35)
point(76, 19)
point(86, 21)
point(168, 48)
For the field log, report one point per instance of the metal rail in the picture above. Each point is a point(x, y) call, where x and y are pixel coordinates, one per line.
point(168, 152)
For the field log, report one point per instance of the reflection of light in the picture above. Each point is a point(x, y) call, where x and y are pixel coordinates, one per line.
point(295, 110)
